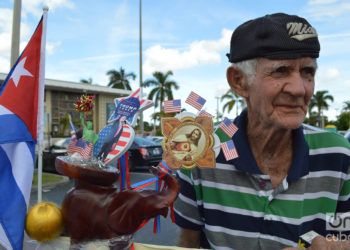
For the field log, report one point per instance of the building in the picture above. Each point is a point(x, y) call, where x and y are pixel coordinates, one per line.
point(60, 97)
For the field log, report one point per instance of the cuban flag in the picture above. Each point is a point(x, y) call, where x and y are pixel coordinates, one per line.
point(21, 123)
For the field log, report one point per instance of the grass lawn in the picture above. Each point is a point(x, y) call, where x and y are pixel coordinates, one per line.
point(47, 178)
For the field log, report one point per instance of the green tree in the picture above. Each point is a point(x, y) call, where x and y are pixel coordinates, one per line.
point(162, 87)
point(312, 119)
point(86, 81)
point(156, 116)
point(346, 107)
point(232, 100)
point(320, 100)
point(343, 121)
point(120, 79)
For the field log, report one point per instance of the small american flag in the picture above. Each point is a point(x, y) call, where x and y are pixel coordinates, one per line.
point(205, 113)
point(81, 147)
point(228, 127)
point(229, 150)
point(195, 100)
point(172, 106)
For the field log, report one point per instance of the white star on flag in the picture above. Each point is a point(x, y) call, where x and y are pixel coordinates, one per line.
point(20, 71)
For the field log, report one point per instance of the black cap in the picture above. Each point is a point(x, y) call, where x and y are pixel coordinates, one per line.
point(275, 36)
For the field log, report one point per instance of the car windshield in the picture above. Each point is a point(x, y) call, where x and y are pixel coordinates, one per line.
point(347, 135)
point(62, 143)
point(143, 142)
point(156, 139)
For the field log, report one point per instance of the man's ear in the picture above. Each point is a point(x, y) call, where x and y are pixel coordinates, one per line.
point(237, 81)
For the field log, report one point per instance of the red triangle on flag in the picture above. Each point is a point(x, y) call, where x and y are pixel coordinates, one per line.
point(20, 89)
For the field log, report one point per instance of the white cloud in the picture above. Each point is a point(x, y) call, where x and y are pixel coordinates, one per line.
point(121, 15)
point(28, 6)
point(35, 6)
point(5, 31)
point(318, 2)
point(327, 8)
point(336, 82)
point(5, 19)
point(329, 74)
point(221, 89)
point(335, 45)
point(4, 64)
point(5, 42)
point(199, 52)
point(52, 47)
point(6, 37)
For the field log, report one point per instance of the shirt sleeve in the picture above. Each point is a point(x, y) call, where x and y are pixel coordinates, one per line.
point(343, 205)
point(187, 206)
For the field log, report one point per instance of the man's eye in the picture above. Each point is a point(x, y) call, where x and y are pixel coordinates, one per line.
point(308, 71)
point(280, 71)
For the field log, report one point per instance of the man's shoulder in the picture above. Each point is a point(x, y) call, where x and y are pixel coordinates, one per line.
point(318, 138)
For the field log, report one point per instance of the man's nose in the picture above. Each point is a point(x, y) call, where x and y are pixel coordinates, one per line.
point(296, 84)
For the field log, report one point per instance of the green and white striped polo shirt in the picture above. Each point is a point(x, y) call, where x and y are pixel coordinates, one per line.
point(236, 207)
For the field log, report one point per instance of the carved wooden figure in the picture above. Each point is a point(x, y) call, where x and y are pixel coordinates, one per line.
point(95, 209)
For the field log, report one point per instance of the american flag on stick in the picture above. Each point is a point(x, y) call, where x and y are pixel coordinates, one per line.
point(229, 150)
point(81, 147)
point(172, 106)
point(205, 113)
point(195, 100)
point(228, 127)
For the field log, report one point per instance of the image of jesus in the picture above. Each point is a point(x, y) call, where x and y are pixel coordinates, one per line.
point(184, 146)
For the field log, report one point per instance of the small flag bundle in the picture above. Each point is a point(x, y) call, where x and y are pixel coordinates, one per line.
point(228, 127)
point(195, 100)
point(172, 106)
point(229, 150)
point(205, 113)
point(81, 147)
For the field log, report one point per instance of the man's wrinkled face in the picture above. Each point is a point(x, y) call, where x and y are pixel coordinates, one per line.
point(280, 92)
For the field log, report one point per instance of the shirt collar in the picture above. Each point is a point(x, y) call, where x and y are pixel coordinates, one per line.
point(246, 162)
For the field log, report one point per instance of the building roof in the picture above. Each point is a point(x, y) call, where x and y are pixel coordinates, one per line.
point(60, 85)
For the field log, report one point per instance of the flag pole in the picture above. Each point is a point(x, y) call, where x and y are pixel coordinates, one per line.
point(140, 45)
point(40, 121)
point(16, 26)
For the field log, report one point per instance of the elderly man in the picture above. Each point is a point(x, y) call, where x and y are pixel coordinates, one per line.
point(288, 179)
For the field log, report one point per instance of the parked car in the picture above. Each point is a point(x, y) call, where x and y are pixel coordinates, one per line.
point(347, 135)
point(144, 153)
point(59, 148)
point(156, 139)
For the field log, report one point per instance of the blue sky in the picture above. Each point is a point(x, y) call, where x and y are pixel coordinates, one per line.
point(87, 38)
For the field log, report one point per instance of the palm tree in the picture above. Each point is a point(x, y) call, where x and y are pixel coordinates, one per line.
point(320, 101)
point(120, 79)
point(232, 99)
point(346, 107)
point(87, 81)
point(163, 87)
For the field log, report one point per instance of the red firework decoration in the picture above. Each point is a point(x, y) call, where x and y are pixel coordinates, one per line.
point(85, 103)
